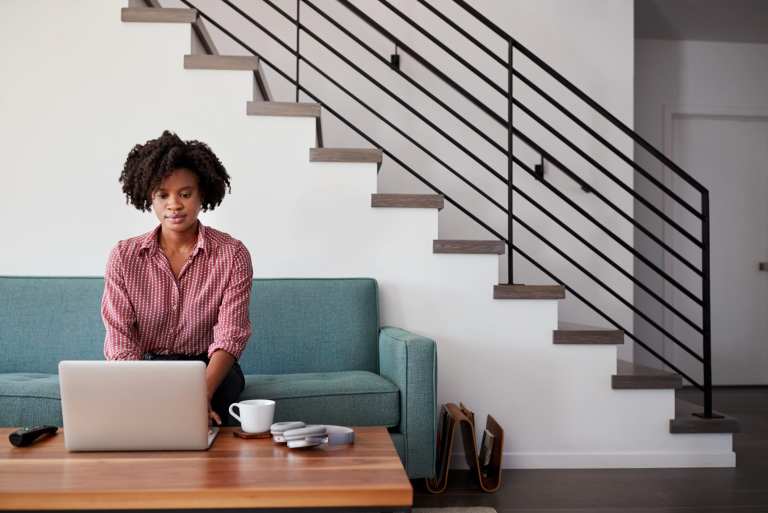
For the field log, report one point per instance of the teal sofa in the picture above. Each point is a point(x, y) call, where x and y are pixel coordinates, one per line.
point(316, 349)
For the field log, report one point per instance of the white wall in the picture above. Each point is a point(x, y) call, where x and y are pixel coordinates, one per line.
point(590, 42)
point(671, 75)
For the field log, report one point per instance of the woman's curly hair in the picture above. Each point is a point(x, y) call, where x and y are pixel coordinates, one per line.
point(149, 163)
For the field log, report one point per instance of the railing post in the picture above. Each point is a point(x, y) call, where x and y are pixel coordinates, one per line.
point(298, 48)
point(707, 309)
point(510, 240)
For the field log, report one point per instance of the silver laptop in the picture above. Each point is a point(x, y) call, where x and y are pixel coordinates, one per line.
point(134, 406)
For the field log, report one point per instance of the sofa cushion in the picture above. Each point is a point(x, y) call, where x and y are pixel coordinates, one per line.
point(28, 399)
point(312, 325)
point(351, 398)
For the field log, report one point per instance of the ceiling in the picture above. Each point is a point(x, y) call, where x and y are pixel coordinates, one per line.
point(744, 21)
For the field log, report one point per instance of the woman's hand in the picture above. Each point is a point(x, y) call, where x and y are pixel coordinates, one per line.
point(213, 416)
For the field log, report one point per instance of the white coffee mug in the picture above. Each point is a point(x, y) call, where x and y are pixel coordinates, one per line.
point(255, 414)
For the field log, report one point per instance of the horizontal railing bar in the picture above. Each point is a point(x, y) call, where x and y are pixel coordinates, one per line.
point(605, 316)
point(463, 32)
point(611, 234)
point(613, 264)
point(645, 174)
point(610, 117)
point(417, 85)
point(421, 60)
point(604, 171)
point(445, 48)
point(488, 23)
point(264, 29)
point(606, 287)
point(551, 158)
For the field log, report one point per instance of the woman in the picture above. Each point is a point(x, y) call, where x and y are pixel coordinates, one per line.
point(181, 291)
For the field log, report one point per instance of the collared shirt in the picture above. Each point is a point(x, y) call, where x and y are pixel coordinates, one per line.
point(146, 309)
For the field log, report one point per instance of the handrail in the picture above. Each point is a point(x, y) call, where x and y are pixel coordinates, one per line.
point(705, 330)
point(463, 32)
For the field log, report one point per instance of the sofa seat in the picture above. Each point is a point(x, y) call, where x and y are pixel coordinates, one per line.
point(351, 398)
point(29, 398)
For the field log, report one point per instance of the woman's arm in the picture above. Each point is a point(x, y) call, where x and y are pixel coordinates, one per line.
point(121, 340)
point(217, 369)
point(233, 326)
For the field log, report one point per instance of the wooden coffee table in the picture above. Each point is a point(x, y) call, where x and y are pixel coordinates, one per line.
point(234, 474)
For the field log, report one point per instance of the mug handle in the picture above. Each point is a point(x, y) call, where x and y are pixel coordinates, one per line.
point(232, 412)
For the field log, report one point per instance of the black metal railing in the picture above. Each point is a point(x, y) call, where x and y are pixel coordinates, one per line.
point(514, 134)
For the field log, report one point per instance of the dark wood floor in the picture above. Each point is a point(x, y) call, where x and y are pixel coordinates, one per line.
point(743, 489)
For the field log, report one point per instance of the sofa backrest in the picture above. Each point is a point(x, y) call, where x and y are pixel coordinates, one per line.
point(299, 325)
point(47, 319)
point(312, 325)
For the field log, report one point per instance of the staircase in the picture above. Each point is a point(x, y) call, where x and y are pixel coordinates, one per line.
point(566, 400)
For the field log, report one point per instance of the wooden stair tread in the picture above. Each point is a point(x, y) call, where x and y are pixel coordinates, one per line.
point(287, 109)
point(475, 247)
point(155, 15)
point(634, 376)
point(521, 291)
point(407, 201)
point(221, 62)
point(573, 333)
point(373, 155)
point(686, 422)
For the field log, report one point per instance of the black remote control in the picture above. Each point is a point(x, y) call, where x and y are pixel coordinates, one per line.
point(29, 435)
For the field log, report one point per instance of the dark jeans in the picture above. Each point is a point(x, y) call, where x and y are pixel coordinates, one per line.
point(227, 393)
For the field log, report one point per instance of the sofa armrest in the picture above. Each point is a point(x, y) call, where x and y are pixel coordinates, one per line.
point(410, 362)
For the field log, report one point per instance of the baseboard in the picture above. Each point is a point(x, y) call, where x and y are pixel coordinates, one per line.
point(531, 460)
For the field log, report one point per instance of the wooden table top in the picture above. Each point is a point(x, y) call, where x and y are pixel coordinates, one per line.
point(234, 473)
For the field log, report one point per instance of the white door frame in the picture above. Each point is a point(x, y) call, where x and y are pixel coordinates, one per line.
point(669, 113)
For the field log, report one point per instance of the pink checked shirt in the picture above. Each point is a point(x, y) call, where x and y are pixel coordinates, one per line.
point(147, 310)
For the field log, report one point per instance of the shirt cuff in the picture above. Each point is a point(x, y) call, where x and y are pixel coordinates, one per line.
point(124, 355)
point(231, 347)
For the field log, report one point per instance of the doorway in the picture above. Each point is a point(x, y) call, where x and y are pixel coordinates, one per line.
point(727, 151)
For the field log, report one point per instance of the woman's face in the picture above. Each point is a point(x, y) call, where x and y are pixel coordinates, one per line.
point(177, 201)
